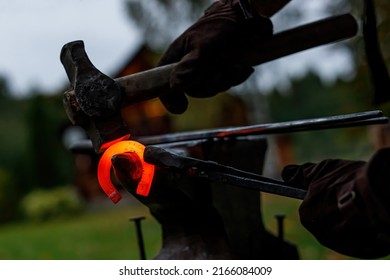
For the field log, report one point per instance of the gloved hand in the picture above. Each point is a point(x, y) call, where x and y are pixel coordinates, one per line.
point(347, 206)
point(211, 52)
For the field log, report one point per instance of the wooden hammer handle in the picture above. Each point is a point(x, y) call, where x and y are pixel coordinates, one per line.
point(155, 82)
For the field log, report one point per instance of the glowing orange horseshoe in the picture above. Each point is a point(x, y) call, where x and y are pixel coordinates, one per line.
point(104, 169)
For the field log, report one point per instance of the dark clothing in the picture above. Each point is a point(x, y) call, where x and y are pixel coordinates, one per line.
point(347, 204)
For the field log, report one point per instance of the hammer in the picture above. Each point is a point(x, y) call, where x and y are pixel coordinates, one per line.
point(94, 100)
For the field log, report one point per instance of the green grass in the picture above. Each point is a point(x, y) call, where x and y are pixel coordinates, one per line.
point(101, 235)
point(108, 235)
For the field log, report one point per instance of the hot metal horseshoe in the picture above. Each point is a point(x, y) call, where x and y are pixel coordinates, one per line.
point(104, 169)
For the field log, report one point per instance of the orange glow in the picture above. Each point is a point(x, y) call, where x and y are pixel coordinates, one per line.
point(104, 169)
point(106, 145)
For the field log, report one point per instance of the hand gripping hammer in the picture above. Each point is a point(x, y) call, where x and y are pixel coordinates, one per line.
point(94, 100)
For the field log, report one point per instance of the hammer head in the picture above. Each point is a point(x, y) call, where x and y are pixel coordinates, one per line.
point(94, 100)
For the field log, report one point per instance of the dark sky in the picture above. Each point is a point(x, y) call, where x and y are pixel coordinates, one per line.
point(33, 33)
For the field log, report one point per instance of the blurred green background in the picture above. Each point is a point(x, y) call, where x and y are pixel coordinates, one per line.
point(43, 215)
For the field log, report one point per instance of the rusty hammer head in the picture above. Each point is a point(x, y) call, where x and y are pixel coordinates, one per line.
point(95, 99)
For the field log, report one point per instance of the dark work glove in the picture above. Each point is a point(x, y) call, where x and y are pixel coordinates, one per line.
point(347, 204)
point(211, 52)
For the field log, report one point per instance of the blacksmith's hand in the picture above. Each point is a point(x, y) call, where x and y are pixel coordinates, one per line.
point(347, 206)
point(210, 52)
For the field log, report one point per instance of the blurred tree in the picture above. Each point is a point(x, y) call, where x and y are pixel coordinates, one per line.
point(4, 89)
point(352, 93)
point(49, 165)
point(11, 150)
point(31, 152)
point(309, 96)
point(163, 20)
point(11, 136)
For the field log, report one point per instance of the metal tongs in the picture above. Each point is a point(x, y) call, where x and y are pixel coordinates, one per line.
point(339, 121)
point(215, 172)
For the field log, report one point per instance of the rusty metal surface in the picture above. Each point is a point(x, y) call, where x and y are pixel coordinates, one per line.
point(95, 99)
point(96, 94)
